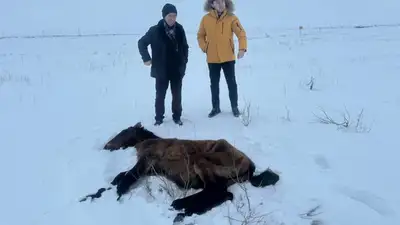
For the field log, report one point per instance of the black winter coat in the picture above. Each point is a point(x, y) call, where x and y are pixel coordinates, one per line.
point(162, 56)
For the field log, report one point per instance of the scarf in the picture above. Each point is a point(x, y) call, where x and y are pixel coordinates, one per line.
point(170, 31)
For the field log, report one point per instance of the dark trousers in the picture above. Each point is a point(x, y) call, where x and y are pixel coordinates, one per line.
point(161, 91)
point(230, 78)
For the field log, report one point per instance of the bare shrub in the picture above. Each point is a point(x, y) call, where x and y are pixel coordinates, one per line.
point(6, 76)
point(169, 187)
point(287, 115)
point(326, 119)
point(248, 215)
point(346, 122)
point(165, 186)
point(246, 114)
point(310, 84)
point(148, 189)
point(359, 125)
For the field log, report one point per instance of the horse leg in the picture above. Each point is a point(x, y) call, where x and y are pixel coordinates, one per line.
point(209, 200)
point(99, 193)
point(200, 202)
point(126, 179)
point(267, 177)
point(213, 195)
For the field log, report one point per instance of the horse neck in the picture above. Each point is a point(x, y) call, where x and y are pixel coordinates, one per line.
point(149, 135)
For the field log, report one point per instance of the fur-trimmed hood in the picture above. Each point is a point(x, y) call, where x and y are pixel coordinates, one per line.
point(230, 6)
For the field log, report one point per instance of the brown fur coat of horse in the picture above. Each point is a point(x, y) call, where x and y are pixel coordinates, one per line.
point(211, 165)
point(194, 163)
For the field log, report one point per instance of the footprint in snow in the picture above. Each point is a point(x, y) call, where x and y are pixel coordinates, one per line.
point(372, 201)
point(322, 162)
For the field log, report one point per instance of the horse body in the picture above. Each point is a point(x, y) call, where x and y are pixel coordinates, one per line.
point(210, 165)
point(187, 161)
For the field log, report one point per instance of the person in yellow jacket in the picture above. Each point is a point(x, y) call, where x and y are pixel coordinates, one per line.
point(215, 38)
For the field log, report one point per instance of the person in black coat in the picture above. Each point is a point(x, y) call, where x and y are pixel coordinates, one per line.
point(169, 51)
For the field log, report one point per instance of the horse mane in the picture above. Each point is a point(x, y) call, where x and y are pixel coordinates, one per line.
point(146, 134)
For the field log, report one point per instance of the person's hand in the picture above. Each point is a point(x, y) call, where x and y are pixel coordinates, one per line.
point(148, 63)
point(240, 54)
point(203, 49)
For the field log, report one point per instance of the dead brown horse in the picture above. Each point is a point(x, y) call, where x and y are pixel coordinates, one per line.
point(210, 165)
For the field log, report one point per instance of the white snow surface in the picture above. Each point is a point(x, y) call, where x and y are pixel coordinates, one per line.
point(62, 98)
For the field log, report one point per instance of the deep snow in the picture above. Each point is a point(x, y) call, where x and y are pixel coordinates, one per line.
point(62, 98)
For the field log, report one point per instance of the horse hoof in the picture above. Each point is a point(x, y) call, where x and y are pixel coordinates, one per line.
point(179, 217)
point(117, 179)
point(177, 204)
point(110, 147)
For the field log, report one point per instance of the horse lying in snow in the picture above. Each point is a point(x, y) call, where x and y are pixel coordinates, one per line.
point(210, 165)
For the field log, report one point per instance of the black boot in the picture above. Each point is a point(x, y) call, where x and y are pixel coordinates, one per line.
point(178, 121)
point(158, 122)
point(214, 112)
point(235, 112)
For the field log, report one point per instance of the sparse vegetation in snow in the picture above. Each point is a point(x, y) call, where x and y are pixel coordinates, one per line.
point(246, 114)
point(245, 213)
point(346, 122)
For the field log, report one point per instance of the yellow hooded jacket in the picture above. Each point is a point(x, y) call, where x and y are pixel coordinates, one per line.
point(215, 36)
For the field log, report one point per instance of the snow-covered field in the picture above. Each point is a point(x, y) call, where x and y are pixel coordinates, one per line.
point(62, 98)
